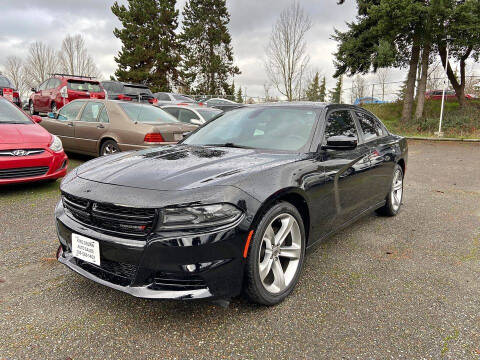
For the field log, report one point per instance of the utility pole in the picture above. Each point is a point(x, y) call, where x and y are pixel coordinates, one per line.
point(439, 133)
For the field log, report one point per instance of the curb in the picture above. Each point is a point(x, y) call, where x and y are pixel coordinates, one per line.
point(440, 139)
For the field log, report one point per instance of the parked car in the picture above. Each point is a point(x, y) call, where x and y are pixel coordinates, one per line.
point(117, 90)
point(61, 89)
point(9, 92)
point(165, 98)
point(449, 95)
point(368, 100)
point(218, 103)
point(96, 127)
point(27, 151)
point(232, 207)
point(192, 115)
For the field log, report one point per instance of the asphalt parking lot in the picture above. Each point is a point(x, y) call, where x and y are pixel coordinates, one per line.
point(404, 287)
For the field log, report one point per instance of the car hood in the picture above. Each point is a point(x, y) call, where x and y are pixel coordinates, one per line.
point(180, 167)
point(24, 134)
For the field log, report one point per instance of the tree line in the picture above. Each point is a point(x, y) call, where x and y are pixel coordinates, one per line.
point(197, 60)
point(42, 60)
point(410, 34)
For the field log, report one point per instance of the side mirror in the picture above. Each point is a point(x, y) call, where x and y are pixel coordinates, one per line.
point(196, 122)
point(37, 119)
point(341, 143)
point(33, 89)
point(52, 115)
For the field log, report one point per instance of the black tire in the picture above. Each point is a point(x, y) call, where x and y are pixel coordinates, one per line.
point(253, 286)
point(32, 108)
point(390, 208)
point(109, 147)
point(53, 107)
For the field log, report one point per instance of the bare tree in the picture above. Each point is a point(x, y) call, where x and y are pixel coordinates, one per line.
point(74, 57)
point(14, 71)
point(436, 76)
point(358, 87)
point(382, 76)
point(286, 58)
point(41, 62)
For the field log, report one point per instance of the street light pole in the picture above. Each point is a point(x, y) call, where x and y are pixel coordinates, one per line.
point(445, 86)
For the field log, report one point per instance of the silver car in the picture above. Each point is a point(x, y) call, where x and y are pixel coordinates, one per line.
point(192, 115)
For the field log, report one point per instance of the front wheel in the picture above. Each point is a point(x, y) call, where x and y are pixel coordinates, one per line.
point(109, 147)
point(395, 196)
point(32, 109)
point(276, 255)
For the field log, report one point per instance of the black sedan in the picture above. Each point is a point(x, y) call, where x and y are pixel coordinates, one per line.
point(231, 208)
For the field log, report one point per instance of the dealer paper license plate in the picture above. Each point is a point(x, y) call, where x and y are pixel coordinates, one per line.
point(85, 249)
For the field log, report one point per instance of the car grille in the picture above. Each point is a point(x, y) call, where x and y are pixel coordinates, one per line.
point(23, 172)
point(21, 152)
point(111, 219)
point(174, 282)
point(112, 271)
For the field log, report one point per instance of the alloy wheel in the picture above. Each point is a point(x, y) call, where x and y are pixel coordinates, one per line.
point(280, 252)
point(397, 190)
point(32, 109)
point(110, 149)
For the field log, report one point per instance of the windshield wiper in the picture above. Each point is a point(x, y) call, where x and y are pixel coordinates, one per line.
point(230, 145)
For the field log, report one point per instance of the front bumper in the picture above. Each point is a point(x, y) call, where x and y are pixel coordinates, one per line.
point(55, 162)
point(177, 266)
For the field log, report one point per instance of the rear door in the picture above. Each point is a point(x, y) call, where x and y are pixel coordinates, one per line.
point(62, 126)
point(89, 128)
point(382, 150)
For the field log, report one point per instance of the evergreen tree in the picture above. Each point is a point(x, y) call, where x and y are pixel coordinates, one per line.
point(322, 96)
point(313, 91)
point(207, 52)
point(336, 93)
point(150, 51)
point(239, 98)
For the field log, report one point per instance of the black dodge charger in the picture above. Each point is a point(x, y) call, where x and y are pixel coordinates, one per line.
point(234, 206)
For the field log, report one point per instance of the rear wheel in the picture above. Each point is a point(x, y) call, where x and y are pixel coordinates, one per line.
point(276, 255)
point(32, 108)
point(54, 107)
point(395, 196)
point(109, 147)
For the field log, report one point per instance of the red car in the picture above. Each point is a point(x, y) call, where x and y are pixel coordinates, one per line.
point(59, 90)
point(8, 91)
point(449, 95)
point(28, 152)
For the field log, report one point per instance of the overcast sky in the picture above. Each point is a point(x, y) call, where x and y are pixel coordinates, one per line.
point(23, 22)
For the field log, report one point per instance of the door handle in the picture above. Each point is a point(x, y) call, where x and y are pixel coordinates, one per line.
point(100, 126)
point(70, 123)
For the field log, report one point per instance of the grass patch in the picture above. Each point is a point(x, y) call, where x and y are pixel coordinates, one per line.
point(457, 123)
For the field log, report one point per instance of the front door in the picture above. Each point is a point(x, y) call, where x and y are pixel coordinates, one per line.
point(90, 128)
point(346, 172)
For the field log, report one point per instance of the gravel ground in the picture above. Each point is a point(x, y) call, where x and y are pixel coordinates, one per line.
point(404, 287)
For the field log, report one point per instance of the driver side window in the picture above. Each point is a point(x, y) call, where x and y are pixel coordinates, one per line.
point(70, 111)
point(340, 123)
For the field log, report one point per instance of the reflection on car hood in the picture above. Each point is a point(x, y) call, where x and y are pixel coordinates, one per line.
point(179, 167)
point(24, 134)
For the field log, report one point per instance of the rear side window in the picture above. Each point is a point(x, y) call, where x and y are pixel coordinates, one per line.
point(162, 96)
point(70, 111)
point(340, 123)
point(79, 85)
point(147, 113)
point(91, 111)
point(371, 128)
point(186, 116)
point(172, 111)
point(104, 116)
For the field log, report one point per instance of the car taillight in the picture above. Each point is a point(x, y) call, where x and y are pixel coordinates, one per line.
point(16, 96)
point(64, 92)
point(153, 101)
point(154, 138)
point(124, 97)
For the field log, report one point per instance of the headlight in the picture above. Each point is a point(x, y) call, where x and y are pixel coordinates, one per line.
point(56, 144)
point(198, 216)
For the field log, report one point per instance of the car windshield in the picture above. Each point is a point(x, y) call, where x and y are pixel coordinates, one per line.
point(182, 98)
point(79, 85)
point(147, 113)
point(10, 114)
point(136, 90)
point(208, 114)
point(270, 128)
point(4, 82)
